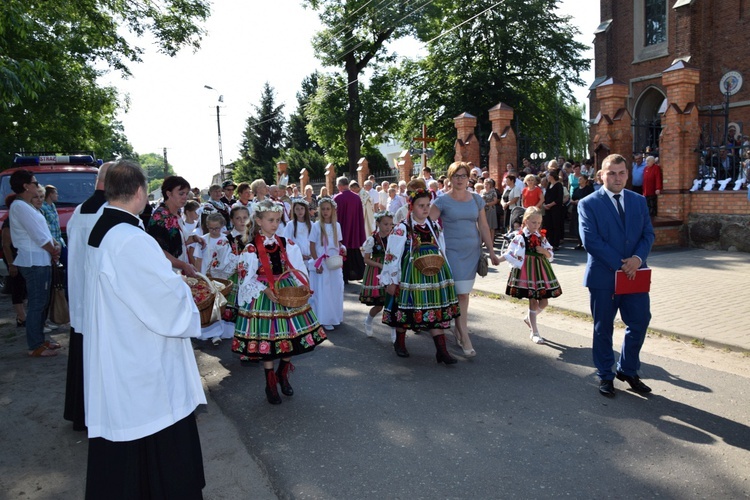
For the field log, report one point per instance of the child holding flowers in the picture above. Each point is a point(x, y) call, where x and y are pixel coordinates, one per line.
point(328, 278)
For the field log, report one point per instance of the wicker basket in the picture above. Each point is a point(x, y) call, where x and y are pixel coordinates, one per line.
point(429, 265)
point(205, 307)
point(227, 285)
point(293, 296)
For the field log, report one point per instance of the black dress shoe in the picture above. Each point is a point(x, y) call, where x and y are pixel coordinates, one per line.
point(635, 383)
point(607, 388)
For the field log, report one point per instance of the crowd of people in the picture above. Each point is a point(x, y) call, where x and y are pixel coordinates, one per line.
point(413, 248)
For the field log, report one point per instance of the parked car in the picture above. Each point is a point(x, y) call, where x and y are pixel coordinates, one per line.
point(74, 177)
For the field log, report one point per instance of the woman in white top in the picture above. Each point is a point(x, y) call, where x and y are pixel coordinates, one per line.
point(36, 250)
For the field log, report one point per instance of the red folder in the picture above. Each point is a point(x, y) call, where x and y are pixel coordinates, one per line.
point(641, 283)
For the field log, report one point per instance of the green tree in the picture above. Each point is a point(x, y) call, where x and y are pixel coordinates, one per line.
point(327, 122)
point(261, 140)
point(53, 51)
point(153, 165)
point(355, 35)
point(520, 52)
point(297, 135)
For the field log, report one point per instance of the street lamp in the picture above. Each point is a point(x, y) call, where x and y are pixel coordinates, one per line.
point(218, 127)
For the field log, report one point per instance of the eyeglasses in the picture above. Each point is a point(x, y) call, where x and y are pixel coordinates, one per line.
point(34, 183)
point(460, 176)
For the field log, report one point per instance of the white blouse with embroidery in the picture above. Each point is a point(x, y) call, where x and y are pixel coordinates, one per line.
point(391, 273)
point(250, 287)
point(517, 249)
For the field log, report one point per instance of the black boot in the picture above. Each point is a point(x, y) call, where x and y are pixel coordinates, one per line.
point(441, 352)
point(400, 345)
point(272, 391)
point(283, 375)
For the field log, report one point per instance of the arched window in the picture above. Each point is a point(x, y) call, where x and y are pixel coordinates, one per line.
point(647, 120)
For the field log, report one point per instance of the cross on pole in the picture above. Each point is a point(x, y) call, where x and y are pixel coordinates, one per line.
point(424, 140)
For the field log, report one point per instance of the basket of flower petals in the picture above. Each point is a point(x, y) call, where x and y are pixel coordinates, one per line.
point(204, 294)
point(293, 296)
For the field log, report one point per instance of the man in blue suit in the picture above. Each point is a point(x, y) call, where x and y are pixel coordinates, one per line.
point(616, 231)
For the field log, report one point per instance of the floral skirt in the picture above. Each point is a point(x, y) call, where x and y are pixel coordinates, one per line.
point(535, 279)
point(422, 302)
point(266, 330)
point(372, 292)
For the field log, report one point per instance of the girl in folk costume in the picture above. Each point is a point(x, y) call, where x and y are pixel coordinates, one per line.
point(265, 328)
point(217, 261)
point(530, 254)
point(328, 279)
point(237, 238)
point(372, 292)
point(417, 301)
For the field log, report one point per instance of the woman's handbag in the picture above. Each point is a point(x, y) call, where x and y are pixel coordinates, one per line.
point(483, 267)
point(58, 307)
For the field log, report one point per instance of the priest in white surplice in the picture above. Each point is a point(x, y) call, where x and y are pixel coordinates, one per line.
point(141, 381)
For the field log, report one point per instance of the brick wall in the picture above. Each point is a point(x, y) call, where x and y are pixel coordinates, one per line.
point(715, 33)
point(719, 202)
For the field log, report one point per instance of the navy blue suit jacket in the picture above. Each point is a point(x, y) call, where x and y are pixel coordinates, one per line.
point(607, 241)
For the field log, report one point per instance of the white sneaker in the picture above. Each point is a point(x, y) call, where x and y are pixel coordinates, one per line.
point(328, 327)
point(536, 338)
point(52, 325)
point(368, 325)
point(216, 340)
point(47, 330)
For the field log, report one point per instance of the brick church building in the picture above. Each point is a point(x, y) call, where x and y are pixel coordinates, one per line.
point(665, 71)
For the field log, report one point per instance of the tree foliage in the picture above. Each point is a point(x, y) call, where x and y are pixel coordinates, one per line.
point(355, 35)
point(53, 51)
point(520, 52)
point(153, 165)
point(262, 140)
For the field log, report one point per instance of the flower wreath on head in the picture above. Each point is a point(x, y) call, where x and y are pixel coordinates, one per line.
point(273, 208)
point(380, 215)
point(301, 201)
point(327, 199)
point(417, 193)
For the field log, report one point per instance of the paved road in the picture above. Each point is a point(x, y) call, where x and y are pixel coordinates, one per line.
point(695, 294)
point(519, 420)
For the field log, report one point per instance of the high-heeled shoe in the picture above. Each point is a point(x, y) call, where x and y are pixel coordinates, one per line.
point(457, 336)
point(470, 353)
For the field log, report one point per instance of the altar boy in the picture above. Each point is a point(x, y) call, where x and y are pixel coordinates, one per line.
point(141, 381)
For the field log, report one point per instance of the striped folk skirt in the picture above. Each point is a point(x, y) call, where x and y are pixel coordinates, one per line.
point(535, 279)
point(422, 302)
point(372, 292)
point(267, 330)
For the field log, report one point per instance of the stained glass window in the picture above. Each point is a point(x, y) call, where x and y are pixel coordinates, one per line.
point(656, 22)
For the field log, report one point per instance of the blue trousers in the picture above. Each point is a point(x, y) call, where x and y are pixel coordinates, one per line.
point(635, 310)
point(38, 279)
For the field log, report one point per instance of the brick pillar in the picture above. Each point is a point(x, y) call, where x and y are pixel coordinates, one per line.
point(679, 138)
point(467, 144)
point(405, 166)
point(612, 127)
point(304, 180)
point(363, 171)
point(331, 179)
point(503, 144)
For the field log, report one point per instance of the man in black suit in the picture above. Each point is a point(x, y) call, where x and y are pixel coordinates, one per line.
point(616, 231)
